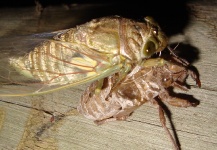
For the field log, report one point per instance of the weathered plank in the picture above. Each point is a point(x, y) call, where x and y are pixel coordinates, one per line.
point(51, 121)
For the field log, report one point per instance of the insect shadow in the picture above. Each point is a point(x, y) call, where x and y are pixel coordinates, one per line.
point(168, 113)
point(189, 53)
point(185, 51)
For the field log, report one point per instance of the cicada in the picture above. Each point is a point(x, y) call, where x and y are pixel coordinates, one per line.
point(148, 83)
point(88, 52)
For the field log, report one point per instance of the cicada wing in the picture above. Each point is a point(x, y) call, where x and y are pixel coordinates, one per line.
point(20, 45)
point(31, 88)
point(38, 66)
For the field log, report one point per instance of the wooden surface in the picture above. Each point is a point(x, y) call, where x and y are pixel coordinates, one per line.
point(27, 122)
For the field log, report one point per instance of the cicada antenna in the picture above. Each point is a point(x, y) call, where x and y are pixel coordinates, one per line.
point(185, 63)
point(176, 57)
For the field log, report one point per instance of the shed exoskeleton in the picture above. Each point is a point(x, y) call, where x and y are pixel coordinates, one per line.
point(147, 83)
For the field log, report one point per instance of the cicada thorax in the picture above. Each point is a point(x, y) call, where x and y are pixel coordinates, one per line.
point(119, 36)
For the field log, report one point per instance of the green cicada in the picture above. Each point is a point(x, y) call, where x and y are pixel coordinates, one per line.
point(71, 57)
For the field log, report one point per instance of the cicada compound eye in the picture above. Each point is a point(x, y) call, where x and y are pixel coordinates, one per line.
point(156, 39)
point(150, 48)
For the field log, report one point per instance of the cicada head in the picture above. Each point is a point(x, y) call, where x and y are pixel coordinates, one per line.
point(154, 38)
point(174, 73)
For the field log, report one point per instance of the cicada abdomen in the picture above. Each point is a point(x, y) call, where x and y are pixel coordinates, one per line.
point(143, 84)
point(88, 52)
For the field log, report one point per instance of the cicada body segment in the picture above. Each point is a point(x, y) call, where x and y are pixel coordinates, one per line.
point(86, 53)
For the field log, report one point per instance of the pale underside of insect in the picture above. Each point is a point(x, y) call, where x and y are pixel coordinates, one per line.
point(144, 84)
point(71, 57)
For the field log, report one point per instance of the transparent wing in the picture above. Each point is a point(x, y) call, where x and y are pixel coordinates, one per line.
point(39, 64)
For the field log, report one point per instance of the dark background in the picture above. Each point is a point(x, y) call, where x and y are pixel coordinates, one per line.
point(173, 16)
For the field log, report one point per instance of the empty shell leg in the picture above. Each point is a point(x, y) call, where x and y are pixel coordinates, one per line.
point(163, 123)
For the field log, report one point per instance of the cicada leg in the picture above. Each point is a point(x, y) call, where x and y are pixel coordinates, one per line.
point(163, 123)
point(195, 77)
point(179, 102)
point(121, 76)
point(99, 86)
point(175, 101)
point(100, 122)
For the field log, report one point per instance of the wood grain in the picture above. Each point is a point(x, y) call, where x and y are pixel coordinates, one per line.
point(51, 121)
